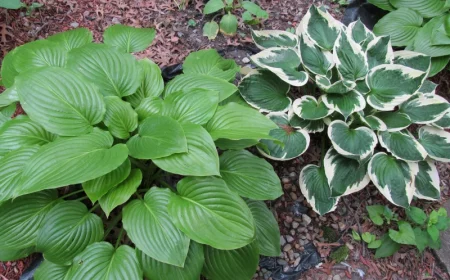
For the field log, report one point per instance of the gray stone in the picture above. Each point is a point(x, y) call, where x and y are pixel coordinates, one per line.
point(289, 238)
point(306, 219)
point(287, 247)
point(282, 241)
point(295, 225)
point(282, 262)
point(443, 253)
point(245, 60)
point(74, 24)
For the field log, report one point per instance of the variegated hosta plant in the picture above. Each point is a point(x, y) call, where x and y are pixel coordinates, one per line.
point(105, 124)
point(384, 122)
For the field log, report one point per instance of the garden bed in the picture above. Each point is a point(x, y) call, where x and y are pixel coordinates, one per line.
point(175, 40)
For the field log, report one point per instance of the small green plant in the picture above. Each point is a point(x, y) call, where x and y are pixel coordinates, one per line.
point(340, 254)
point(253, 14)
point(17, 4)
point(379, 117)
point(420, 26)
point(421, 230)
point(139, 158)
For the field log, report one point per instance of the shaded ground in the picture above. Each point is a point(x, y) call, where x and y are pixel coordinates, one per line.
point(174, 41)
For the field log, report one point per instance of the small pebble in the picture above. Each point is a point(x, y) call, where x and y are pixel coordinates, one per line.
point(293, 175)
point(306, 219)
point(245, 60)
point(281, 262)
point(287, 247)
point(342, 226)
point(289, 238)
point(74, 24)
point(288, 219)
point(285, 180)
point(297, 261)
point(282, 241)
point(336, 277)
point(295, 225)
point(293, 196)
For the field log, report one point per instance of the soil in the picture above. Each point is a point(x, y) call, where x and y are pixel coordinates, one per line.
point(175, 40)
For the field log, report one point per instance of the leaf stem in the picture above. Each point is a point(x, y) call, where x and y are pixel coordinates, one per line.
point(322, 148)
point(139, 164)
point(81, 198)
point(138, 195)
point(167, 185)
point(119, 238)
point(113, 223)
point(70, 194)
point(94, 207)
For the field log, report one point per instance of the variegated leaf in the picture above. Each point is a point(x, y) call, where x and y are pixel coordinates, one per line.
point(283, 62)
point(393, 178)
point(422, 109)
point(313, 58)
point(345, 176)
point(320, 27)
point(308, 126)
point(307, 107)
point(314, 186)
point(402, 145)
point(351, 62)
point(428, 88)
point(391, 85)
point(426, 180)
point(265, 91)
point(362, 87)
point(436, 142)
point(345, 104)
point(357, 143)
point(415, 60)
point(444, 122)
point(273, 38)
point(360, 33)
point(380, 51)
point(294, 141)
point(371, 121)
point(338, 87)
point(393, 121)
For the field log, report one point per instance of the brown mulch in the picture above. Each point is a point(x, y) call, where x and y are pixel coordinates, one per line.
point(174, 41)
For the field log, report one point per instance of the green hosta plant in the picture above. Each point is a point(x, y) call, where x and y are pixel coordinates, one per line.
point(105, 124)
point(364, 99)
point(253, 14)
point(420, 230)
point(420, 26)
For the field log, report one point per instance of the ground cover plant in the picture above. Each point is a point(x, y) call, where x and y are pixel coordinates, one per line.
point(421, 26)
point(378, 115)
point(140, 158)
point(228, 25)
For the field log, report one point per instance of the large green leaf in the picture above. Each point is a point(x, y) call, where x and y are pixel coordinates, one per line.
point(194, 105)
point(345, 176)
point(307, 107)
point(8, 72)
point(22, 218)
point(72, 39)
point(70, 161)
point(200, 150)
point(40, 53)
point(149, 226)
point(288, 143)
point(402, 145)
point(213, 6)
point(436, 142)
point(320, 27)
point(22, 132)
point(314, 186)
point(313, 58)
point(239, 264)
point(98, 187)
point(50, 271)
point(128, 38)
point(438, 64)
point(404, 235)
point(60, 100)
point(11, 167)
point(102, 261)
point(267, 231)
point(415, 60)
point(273, 38)
point(351, 61)
point(264, 91)
point(8, 97)
point(283, 62)
point(426, 180)
point(192, 269)
point(11, 4)
point(402, 25)
point(120, 118)
point(393, 178)
point(382, 4)
point(345, 104)
point(391, 85)
point(14, 254)
point(357, 143)
point(158, 137)
point(427, 9)
point(191, 81)
point(235, 122)
point(228, 24)
point(209, 62)
point(249, 175)
point(67, 229)
point(423, 43)
point(122, 192)
point(226, 144)
point(379, 51)
point(152, 83)
point(99, 64)
point(388, 247)
point(148, 107)
point(205, 207)
point(392, 121)
point(423, 109)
